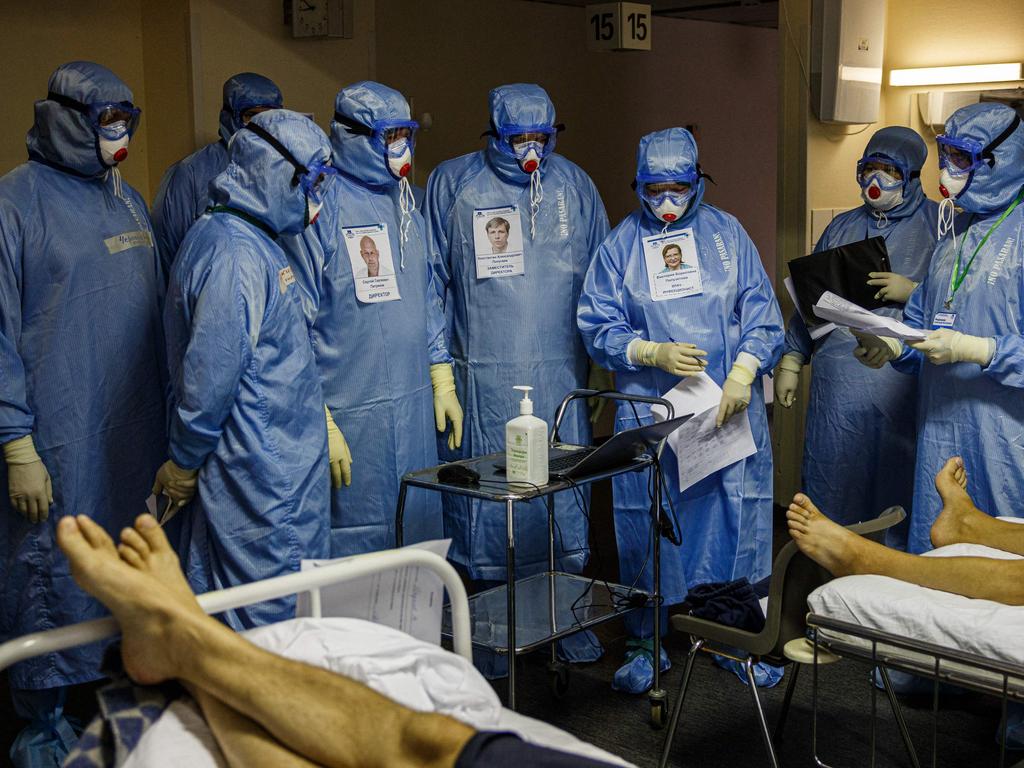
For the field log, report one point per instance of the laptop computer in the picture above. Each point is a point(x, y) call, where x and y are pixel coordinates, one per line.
point(620, 449)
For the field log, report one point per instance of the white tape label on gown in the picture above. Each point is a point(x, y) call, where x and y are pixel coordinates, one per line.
point(673, 271)
point(128, 240)
point(498, 242)
point(373, 269)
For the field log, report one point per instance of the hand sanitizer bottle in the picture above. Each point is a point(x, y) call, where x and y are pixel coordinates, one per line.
point(526, 445)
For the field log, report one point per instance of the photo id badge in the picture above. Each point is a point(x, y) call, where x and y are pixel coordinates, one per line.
point(498, 242)
point(672, 268)
point(943, 320)
point(373, 270)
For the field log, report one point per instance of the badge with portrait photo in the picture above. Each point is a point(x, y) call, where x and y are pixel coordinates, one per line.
point(672, 268)
point(498, 242)
point(373, 269)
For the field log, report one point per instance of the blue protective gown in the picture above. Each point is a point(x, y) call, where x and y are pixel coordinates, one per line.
point(184, 191)
point(374, 358)
point(514, 330)
point(861, 424)
point(80, 360)
point(963, 409)
point(726, 519)
point(246, 403)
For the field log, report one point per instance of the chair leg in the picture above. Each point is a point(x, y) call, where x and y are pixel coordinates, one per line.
point(677, 711)
point(748, 666)
point(897, 712)
point(786, 701)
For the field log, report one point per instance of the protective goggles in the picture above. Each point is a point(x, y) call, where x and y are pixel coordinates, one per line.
point(878, 167)
point(383, 133)
point(963, 155)
point(517, 140)
point(106, 117)
point(314, 179)
point(657, 188)
point(246, 111)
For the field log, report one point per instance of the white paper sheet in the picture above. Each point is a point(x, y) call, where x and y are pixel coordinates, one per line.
point(846, 313)
point(409, 599)
point(701, 448)
point(819, 329)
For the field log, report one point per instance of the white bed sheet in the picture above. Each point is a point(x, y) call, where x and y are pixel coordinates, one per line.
point(417, 674)
point(982, 627)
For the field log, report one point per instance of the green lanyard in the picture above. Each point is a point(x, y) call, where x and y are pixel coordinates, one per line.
point(958, 277)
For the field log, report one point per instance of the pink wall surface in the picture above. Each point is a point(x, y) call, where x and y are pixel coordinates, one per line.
point(722, 78)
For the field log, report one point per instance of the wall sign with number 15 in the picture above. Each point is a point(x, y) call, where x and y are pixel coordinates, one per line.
point(619, 27)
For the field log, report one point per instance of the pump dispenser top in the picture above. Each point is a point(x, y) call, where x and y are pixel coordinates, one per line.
point(526, 404)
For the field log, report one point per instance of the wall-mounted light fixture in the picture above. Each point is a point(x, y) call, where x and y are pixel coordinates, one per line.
point(974, 73)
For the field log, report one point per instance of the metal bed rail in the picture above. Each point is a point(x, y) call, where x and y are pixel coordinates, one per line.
point(311, 581)
point(994, 677)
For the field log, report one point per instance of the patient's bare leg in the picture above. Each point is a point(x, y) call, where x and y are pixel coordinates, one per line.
point(844, 553)
point(960, 522)
point(243, 742)
point(321, 716)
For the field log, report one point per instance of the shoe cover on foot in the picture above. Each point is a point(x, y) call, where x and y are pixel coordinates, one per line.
point(637, 674)
point(580, 648)
point(765, 675)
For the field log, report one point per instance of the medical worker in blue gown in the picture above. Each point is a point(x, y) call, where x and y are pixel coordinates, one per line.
point(510, 319)
point(651, 328)
point(379, 341)
point(184, 190)
point(970, 370)
point(861, 425)
point(81, 392)
point(247, 413)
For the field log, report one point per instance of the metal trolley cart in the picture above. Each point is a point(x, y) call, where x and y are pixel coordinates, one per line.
point(538, 610)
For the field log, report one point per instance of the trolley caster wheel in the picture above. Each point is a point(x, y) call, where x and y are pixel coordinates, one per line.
point(659, 715)
point(558, 679)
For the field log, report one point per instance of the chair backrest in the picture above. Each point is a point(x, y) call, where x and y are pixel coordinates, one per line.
point(795, 576)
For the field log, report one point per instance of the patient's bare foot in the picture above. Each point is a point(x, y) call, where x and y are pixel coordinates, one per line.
point(145, 548)
point(825, 542)
point(153, 616)
point(958, 511)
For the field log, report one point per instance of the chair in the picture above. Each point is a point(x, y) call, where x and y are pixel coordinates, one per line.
point(794, 577)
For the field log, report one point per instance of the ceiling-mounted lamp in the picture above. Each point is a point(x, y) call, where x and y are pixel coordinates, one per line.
point(972, 73)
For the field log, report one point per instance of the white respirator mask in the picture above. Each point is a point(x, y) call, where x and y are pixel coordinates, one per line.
point(671, 207)
point(951, 185)
point(882, 193)
point(114, 150)
point(400, 158)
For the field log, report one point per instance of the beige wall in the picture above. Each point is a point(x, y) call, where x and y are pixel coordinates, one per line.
point(919, 33)
point(230, 36)
point(175, 55)
point(932, 33)
point(447, 56)
point(36, 37)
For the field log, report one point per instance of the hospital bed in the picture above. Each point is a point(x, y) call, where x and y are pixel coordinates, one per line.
point(180, 737)
point(945, 638)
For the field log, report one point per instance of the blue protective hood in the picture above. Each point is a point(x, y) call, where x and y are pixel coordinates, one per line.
point(258, 179)
point(64, 137)
point(245, 91)
point(517, 104)
point(358, 156)
point(669, 153)
point(992, 187)
point(906, 148)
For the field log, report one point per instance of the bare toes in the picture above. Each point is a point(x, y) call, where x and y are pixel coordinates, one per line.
point(94, 534)
point(131, 538)
point(130, 556)
point(150, 530)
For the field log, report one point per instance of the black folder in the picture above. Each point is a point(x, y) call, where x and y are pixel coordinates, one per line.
point(843, 271)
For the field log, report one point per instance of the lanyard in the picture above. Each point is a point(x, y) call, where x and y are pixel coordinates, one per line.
point(958, 276)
